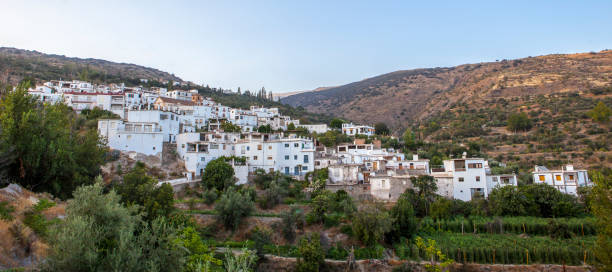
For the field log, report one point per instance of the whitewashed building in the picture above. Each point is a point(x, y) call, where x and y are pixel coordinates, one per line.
point(352, 129)
point(316, 128)
point(139, 137)
point(566, 180)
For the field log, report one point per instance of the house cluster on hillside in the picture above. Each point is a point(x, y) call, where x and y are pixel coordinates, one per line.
point(367, 171)
point(198, 127)
point(154, 116)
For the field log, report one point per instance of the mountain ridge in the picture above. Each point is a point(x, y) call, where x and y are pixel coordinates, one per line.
point(16, 64)
point(410, 96)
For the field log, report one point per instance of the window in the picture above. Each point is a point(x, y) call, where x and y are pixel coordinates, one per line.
point(296, 145)
point(558, 177)
point(477, 178)
point(259, 147)
point(286, 157)
point(286, 145)
point(286, 170)
point(474, 165)
point(571, 177)
point(460, 179)
point(542, 177)
point(203, 159)
point(269, 158)
point(305, 168)
point(269, 147)
point(248, 148)
point(295, 157)
point(305, 158)
point(494, 179)
point(254, 157)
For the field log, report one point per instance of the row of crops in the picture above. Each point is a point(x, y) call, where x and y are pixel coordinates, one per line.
point(501, 225)
point(505, 249)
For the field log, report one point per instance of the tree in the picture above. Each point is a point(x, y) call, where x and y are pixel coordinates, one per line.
point(371, 223)
point(381, 129)
point(441, 208)
point(508, 200)
point(519, 122)
point(264, 129)
point(290, 220)
point(433, 253)
point(311, 255)
point(290, 127)
point(404, 221)
point(426, 188)
point(100, 234)
point(200, 254)
point(336, 123)
point(601, 205)
point(141, 189)
point(600, 113)
point(48, 153)
point(409, 139)
point(229, 127)
point(218, 174)
point(232, 207)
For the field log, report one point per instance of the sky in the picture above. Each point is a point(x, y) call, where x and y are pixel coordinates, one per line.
point(288, 46)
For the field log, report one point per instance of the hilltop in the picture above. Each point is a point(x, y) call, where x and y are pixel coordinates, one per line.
point(16, 64)
point(410, 96)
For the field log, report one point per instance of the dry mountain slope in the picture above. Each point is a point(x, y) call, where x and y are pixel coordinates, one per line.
point(401, 97)
point(15, 64)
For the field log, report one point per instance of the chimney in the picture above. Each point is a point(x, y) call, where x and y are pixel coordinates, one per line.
point(464, 155)
point(415, 157)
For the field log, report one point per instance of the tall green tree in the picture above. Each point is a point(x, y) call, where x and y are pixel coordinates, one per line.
point(601, 205)
point(311, 254)
point(218, 174)
point(371, 223)
point(404, 221)
point(233, 207)
point(409, 139)
point(141, 189)
point(49, 154)
point(336, 123)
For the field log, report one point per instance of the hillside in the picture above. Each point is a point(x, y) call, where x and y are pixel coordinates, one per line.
point(413, 95)
point(15, 64)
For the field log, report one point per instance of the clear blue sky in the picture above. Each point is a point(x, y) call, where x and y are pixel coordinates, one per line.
point(298, 45)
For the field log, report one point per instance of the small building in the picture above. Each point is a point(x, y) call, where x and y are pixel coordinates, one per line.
point(316, 128)
point(352, 129)
point(566, 180)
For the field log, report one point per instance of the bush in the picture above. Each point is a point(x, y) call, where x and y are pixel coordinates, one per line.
point(404, 221)
point(291, 219)
point(141, 189)
point(218, 174)
point(371, 223)
point(232, 207)
point(261, 237)
point(311, 255)
point(210, 196)
point(5, 211)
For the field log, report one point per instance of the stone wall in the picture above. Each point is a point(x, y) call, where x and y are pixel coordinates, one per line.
point(275, 263)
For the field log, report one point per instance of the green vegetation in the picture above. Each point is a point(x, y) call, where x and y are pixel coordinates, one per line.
point(519, 122)
point(100, 234)
point(535, 199)
point(311, 254)
point(57, 162)
point(371, 223)
point(601, 113)
point(218, 174)
point(6, 211)
point(233, 207)
point(35, 220)
point(141, 189)
point(601, 205)
point(381, 129)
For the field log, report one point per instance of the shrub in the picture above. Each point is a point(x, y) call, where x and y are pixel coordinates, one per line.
point(311, 255)
point(404, 221)
point(371, 223)
point(232, 207)
point(210, 196)
point(291, 219)
point(261, 237)
point(241, 262)
point(218, 174)
point(5, 211)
